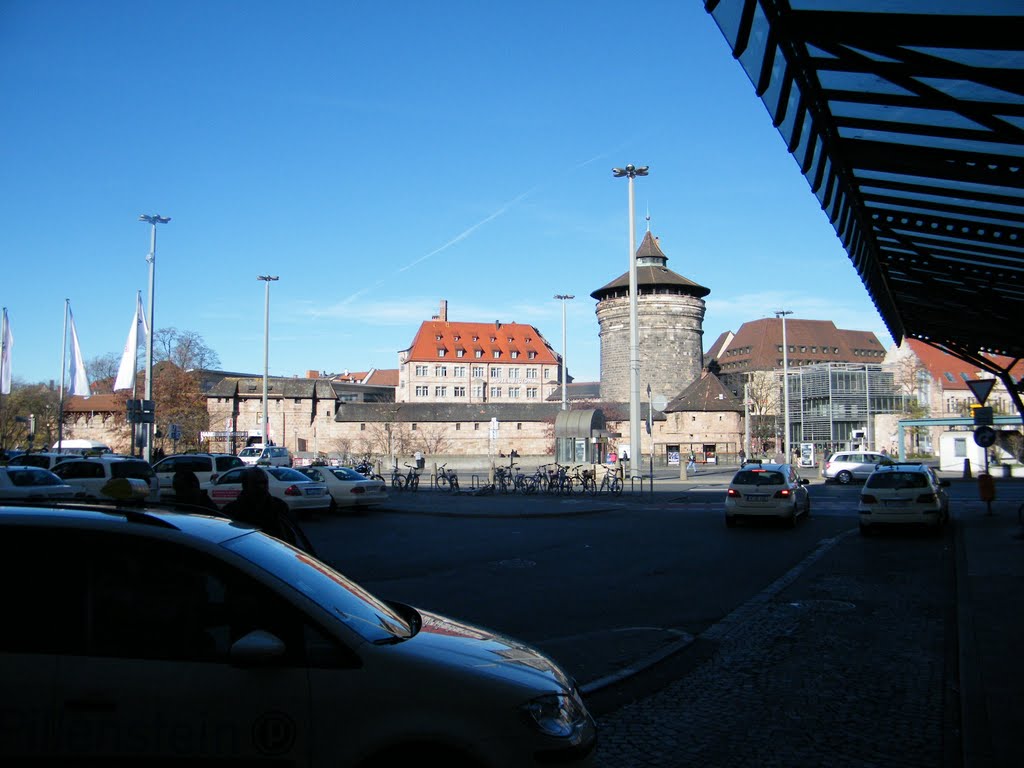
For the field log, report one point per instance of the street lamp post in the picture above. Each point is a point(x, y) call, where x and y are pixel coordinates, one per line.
point(268, 279)
point(152, 220)
point(785, 384)
point(563, 297)
point(631, 172)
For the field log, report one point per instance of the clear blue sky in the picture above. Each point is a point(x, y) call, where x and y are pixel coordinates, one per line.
point(380, 157)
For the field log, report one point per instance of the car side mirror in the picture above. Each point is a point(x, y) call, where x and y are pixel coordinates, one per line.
point(257, 648)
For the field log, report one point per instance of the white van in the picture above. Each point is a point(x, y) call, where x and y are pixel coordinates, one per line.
point(81, 447)
point(266, 455)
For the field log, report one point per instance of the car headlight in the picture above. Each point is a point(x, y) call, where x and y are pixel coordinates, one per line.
point(557, 714)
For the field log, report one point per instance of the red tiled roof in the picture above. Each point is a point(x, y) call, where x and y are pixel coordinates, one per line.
point(385, 378)
point(755, 346)
point(939, 364)
point(434, 335)
point(99, 403)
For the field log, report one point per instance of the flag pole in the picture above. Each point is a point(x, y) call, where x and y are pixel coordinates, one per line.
point(3, 358)
point(63, 366)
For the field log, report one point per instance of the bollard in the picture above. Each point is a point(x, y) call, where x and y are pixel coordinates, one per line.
point(987, 490)
point(682, 470)
point(967, 469)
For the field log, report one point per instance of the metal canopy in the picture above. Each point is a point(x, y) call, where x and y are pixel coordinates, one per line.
point(909, 128)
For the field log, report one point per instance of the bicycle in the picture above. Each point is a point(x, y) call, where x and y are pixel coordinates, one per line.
point(446, 479)
point(580, 480)
point(504, 479)
point(611, 482)
point(409, 481)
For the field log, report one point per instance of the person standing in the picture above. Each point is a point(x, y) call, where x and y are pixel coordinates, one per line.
point(187, 490)
point(691, 465)
point(256, 506)
point(420, 461)
point(743, 457)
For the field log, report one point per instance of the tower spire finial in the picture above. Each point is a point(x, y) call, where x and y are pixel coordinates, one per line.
point(648, 217)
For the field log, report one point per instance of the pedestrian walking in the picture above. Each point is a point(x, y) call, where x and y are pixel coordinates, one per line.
point(743, 457)
point(691, 465)
point(255, 506)
point(188, 491)
point(420, 461)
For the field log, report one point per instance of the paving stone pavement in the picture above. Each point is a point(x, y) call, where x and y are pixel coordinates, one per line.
point(793, 682)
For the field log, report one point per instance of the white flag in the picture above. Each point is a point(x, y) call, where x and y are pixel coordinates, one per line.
point(5, 358)
point(127, 370)
point(79, 378)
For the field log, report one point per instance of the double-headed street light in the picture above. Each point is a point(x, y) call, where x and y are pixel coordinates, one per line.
point(268, 279)
point(563, 297)
point(152, 220)
point(785, 384)
point(631, 172)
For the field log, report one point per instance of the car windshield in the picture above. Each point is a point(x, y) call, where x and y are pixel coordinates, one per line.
point(345, 473)
point(33, 477)
point(897, 480)
point(249, 452)
point(286, 474)
point(758, 477)
point(138, 470)
point(370, 617)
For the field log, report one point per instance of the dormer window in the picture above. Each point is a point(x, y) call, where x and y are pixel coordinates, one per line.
point(460, 352)
point(497, 353)
point(437, 337)
point(476, 338)
point(514, 355)
point(479, 353)
point(510, 339)
point(494, 339)
point(457, 338)
point(440, 352)
point(531, 354)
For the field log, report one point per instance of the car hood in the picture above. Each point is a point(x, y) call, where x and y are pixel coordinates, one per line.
point(458, 644)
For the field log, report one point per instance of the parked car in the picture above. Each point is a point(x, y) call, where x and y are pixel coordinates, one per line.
point(903, 493)
point(6, 454)
point(301, 494)
point(767, 490)
point(270, 455)
point(93, 475)
point(206, 466)
point(348, 488)
point(201, 641)
point(846, 466)
point(44, 459)
point(33, 483)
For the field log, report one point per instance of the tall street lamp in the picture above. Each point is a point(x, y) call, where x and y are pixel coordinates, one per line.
point(785, 383)
point(563, 297)
point(152, 220)
point(268, 279)
point(631, 172)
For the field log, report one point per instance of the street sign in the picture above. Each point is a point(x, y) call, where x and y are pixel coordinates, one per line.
point(985, 436)
point(982, 415)
point(981, 388)
point(174, 432)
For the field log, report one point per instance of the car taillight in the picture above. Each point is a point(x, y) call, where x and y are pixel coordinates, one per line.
point(358, 489)
point(867, 498)
point(293, 490)
point(732, 493)
point(785, 493)
point(926, 498)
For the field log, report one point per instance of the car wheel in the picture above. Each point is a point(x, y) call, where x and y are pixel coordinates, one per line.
point(793, 516)
point(844, 477)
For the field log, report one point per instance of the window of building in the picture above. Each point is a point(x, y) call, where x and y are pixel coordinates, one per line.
point(440, 352)
point(497, 353)
point(422, 391)
point(476, 425)
point(437, 337)
point(459, 372)
point(460, 352)
point(547, 373)
point(422, 370)
point(531, 373)
point(362, 427)
point(513, 373)
point(531, 355)
point(495, 391)
point(440, 391)
point(478, 391)
point(495, 372)
point(458, 427)
point(413, 427)
point(513, 391)
point(478, 371)
point(514, 354)
point(519, 425)
point(457, 337)
point(440, 370)
point(479, 353)
point(459, 391)
point(494, 339)
point(531, 393)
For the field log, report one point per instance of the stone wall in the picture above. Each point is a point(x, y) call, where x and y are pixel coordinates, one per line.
point(671, 341)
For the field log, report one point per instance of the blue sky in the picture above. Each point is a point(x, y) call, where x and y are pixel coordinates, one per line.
point(381, 157)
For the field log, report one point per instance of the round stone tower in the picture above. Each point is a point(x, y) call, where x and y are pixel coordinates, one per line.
point(670, 316)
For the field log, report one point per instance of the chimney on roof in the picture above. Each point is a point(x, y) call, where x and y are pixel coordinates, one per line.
point(443, 315)
point(497, 324)
point(312, 375)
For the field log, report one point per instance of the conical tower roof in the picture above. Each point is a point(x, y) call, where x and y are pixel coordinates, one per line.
point(651, 273)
